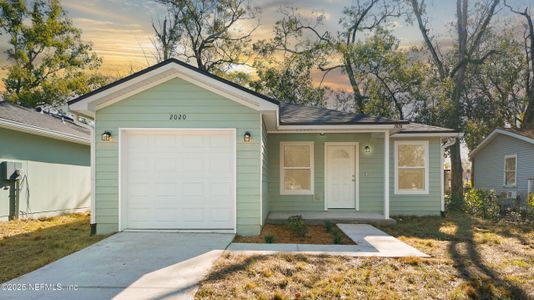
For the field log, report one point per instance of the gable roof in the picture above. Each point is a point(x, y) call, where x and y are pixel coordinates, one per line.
point(23, 119)
point(161, 72)
point(294, 114)
point(526, 135)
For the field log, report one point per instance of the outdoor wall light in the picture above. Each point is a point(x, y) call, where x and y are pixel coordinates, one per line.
point(367, 149)
point(106, 136)
point(247, 137)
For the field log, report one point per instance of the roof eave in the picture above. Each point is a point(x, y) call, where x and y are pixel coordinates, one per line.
point(8, 124)
point(493, 134)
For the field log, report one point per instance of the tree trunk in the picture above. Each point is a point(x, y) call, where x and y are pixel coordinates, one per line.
point(457, 185)
point(528, 119)
point(358, 97)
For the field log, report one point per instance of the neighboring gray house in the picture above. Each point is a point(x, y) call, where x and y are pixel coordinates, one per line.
point(53, 156)
point(504, 162)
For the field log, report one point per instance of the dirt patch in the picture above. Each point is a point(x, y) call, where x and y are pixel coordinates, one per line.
point(317, 234)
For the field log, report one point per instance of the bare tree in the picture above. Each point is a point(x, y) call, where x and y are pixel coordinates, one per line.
point(294, 35)
point(211, 34)
point(469, 36)
point(166, 37)
point(528, 119)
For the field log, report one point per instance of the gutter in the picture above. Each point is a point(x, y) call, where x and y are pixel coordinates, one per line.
point(44, 132)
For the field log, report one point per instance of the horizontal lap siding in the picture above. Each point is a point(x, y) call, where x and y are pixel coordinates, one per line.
point(371, 171)
point(204, 109)
point(427, 204)
point(488, 164)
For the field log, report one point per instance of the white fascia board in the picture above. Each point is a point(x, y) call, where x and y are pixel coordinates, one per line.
point(326, 128)
point(492, 135)
point(44, 132)
point(163, 74)
point(429, 134)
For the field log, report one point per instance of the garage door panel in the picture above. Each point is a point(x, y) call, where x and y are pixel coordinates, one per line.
point(179, 180)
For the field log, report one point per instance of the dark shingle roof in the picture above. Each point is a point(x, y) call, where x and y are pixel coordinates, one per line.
point(31, 118)
point(524, 132)
point(293, 114)
point(423, 128)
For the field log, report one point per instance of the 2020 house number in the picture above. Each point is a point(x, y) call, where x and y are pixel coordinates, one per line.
point(177, 117)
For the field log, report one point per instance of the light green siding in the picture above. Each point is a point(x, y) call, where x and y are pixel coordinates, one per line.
point(371, 171)
point(204, 109)
point(58, 175)
point(264, 174)
point(425, 204)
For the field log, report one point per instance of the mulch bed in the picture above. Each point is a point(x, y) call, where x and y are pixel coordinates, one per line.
point(317, 234)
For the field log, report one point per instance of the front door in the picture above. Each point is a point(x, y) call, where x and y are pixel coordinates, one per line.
point(341, 175)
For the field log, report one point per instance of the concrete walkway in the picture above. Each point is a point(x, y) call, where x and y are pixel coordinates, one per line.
point(369, 242)
point(127, 265)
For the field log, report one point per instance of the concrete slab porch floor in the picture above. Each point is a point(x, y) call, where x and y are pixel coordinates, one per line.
point(333, 215)
point(128, 265)
point(369, 240)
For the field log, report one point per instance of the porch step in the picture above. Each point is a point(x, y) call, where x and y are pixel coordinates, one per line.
point(334, 216)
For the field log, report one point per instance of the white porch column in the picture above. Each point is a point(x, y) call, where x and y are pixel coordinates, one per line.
point(386, 174)
point(442, 178)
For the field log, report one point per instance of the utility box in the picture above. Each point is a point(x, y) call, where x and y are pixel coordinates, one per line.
point(10, 170)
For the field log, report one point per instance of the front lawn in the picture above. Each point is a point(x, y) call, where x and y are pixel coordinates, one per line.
point(471, 258)
point(28, 245)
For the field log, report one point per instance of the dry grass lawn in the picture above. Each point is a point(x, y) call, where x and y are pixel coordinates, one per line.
point(28, 245)
point(471, 258)
point(316, 234)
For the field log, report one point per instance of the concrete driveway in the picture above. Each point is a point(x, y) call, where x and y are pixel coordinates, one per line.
point(127, 265)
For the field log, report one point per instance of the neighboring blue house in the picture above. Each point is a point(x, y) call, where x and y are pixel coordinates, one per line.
point(53, 158)
point(504, 162)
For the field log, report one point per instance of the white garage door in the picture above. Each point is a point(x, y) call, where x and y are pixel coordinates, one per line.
point(178, 179)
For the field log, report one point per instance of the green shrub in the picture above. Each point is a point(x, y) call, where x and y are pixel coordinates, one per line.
point(337, 236)
point(482, 203)
point(531, 201)
point(269, 238)
point(298, 226)
point(328, 225)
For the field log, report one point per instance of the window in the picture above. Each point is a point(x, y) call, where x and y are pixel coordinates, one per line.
point(296, 168)
point(411, 167)
point(510, 167)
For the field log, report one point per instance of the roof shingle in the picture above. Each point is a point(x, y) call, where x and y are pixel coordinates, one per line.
point(26, 116)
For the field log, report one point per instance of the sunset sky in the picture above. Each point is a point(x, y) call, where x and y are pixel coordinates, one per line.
point(120, 30)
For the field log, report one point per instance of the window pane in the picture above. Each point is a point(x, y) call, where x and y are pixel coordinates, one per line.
point(510, 164)
point(411, 155)
point(510, 177)
point(297, 156)
point(295, 180)
point(411, 179)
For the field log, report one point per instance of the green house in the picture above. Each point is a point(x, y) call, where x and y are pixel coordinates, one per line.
point(45, 164)
point(176, 148)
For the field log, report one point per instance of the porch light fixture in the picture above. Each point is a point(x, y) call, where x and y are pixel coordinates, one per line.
point(367, 149)
point(106, 136)
point(247, 137)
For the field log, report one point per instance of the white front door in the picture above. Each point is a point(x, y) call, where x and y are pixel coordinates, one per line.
point(341, 175)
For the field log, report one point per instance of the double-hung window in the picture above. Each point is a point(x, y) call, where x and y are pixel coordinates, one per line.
point(296, 168)
point(510, 170)
point(411, 167)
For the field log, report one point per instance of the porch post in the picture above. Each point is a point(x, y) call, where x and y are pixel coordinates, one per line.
point(386, 174)
point(442, 178)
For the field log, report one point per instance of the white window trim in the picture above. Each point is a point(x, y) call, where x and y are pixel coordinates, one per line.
point(504, 171)
point(282, 168)
point(396, 157)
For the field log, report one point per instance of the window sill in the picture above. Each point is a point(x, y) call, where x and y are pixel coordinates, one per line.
point(299, 193)
point(412, 193)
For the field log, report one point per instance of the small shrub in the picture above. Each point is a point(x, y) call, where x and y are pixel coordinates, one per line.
point(337, 237)
point(328, 225)
point(269, 238)
point(297, 225)
point(482, 203)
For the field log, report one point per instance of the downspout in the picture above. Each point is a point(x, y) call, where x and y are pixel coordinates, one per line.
point(445, 143)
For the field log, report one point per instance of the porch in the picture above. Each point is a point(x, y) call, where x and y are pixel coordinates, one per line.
point(332, 215)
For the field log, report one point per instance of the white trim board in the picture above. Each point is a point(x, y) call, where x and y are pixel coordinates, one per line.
point(171, 70)
point(122, 136)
